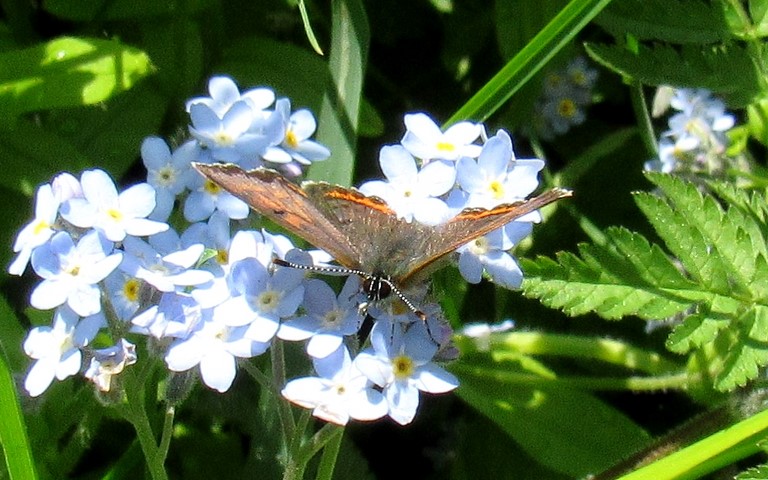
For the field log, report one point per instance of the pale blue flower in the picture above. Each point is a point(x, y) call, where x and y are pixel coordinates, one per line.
point(175, 315)
point(339, 393)
point(410, 192)
point(124, 293)
point(400, 363)
point(424, 139)
point(113, 215)
point(233, 137)
point(224, 93)
point(168, 173)
point(328, 318)
point(489, 253)
point(245, 244)
point(65, 186)
point(56, 349)
point(497, 177)
point(260, 300)
point(296, 145)
point(206, 197)
point(71, 272)
point(214, 346)
point(166, 269)
point(38, 231)
point(108, 362)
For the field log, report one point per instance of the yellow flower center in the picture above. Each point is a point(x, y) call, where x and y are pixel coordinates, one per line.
point(446, 146)
point(115, 214)
point(497, 189)
point(40, 227)
point(211, 188)
point(131, 289)
point(291, 140)
point(222, 257)
point(403, 366)
point(566, 108)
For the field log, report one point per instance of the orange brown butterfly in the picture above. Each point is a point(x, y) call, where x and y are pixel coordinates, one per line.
point(362, 233)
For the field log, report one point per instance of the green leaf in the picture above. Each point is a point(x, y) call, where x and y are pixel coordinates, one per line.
point(686, 66)
point(717, 286)
point(556, 426)
point(340, 112)
point(13, 432)
point(758, 10)
point(626, 276)
point(709, 454)
point(748, 353)
point(755, 473)
point(558, 32)
point(89, 10)
point(68, 72)
point(672, 21)
point(695, 331)
point(30, 154)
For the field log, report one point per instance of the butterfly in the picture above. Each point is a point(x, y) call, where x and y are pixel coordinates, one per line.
point(362, 233)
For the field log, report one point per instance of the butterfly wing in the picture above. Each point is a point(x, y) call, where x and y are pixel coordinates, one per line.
point(470, 224)
point(385, 244)
point(272, 195)
point(391, 246)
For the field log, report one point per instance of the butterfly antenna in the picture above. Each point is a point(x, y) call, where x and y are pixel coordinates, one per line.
point(366, 276)
point(322, 269)
point(374, 293)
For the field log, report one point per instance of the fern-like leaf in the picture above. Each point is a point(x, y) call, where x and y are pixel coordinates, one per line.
point(715, 283)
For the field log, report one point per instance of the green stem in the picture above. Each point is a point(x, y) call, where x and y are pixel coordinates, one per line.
point(572, 346)
point(137, 415)
point(287, 423)
point(640, 106)
point(680, 381)
point(330, 454)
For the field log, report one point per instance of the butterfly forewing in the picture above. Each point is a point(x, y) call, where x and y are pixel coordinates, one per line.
point(470, 224)
point(283, 202)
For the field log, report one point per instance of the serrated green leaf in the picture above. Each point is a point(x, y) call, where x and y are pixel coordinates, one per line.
point(755, 473)
point(686, 66)
point(683, 238)
point(718, 248)
point(68, 72)
point(672, 21)
point(720, 283)
point(745, 350)
point(627, 276)
point(695, 330)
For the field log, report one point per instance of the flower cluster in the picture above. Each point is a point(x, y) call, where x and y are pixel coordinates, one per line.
point(432, 175)
point(566, 93)
point(115, 270)
point(695, 141)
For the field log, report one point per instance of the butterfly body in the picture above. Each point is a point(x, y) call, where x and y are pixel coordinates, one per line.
point(363, 233)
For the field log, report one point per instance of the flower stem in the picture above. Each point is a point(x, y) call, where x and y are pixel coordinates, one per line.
point(136, 414)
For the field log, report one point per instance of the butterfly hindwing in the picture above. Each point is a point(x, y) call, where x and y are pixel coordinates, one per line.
point(384, 243)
